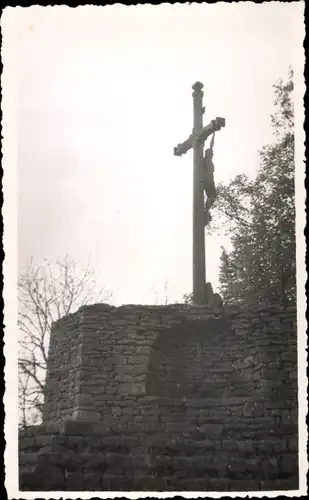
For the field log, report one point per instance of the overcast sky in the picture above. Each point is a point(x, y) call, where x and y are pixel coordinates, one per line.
point(103, 96)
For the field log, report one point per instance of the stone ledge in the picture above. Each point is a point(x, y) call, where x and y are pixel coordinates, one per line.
point(84, 428)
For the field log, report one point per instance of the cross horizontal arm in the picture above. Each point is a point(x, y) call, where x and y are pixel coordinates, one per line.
point(182, 148)
point(213, 126)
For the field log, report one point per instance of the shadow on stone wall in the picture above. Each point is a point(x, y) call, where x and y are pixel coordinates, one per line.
point(196, 358)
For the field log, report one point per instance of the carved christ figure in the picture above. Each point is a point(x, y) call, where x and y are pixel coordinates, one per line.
point(208, 180)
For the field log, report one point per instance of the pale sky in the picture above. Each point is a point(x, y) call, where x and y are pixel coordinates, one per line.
point(103, 96)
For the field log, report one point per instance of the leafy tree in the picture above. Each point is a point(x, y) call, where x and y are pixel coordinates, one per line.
point(259, 215)
point(45, 294)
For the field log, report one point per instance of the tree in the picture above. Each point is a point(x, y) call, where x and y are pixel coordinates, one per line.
point(45, 294)
point(187, 298)
point(23, 389)
point(259, 215)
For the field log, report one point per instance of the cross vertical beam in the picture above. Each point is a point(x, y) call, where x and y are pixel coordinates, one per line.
point(196, 141)
point(199, 268)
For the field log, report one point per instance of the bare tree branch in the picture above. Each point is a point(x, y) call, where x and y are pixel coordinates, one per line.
point(46, 293)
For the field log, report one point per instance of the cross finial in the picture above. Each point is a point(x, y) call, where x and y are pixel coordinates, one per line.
point(197, 86)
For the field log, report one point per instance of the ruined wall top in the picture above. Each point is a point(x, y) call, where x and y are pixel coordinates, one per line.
point(101, 356)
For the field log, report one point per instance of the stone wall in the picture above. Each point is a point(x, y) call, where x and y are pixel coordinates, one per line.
point(162, 398)
point(63, 358)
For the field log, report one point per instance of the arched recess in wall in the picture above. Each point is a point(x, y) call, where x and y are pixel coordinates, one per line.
point(185, 359)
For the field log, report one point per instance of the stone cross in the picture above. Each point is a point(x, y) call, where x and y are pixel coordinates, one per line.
point(196, 142)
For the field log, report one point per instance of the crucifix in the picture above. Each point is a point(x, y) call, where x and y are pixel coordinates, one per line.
point(196, 142)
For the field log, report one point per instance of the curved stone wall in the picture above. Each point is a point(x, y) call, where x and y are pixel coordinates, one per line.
point(175, 397)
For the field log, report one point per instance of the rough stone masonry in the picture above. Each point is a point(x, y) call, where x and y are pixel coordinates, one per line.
point(167, 398)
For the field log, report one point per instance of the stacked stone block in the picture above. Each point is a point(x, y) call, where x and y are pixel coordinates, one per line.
point(168, 398)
